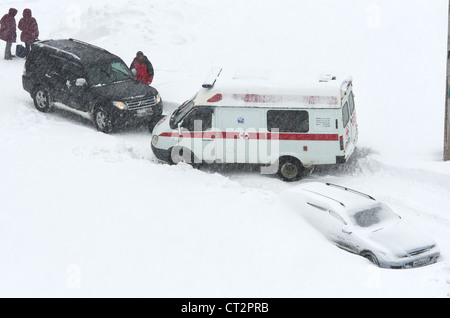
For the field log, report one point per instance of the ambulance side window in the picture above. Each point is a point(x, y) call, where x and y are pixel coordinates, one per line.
point(199, 119)
point(295, 121)
point(345, 115)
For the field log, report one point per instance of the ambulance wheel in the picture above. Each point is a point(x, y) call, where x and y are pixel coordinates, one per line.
point(290, 169)
point(181, 154)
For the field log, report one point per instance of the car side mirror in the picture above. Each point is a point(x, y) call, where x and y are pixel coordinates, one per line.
point(134, 71)
point(80, 82)
point(346, 230)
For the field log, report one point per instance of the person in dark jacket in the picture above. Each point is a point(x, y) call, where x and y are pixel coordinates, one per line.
point(30, 30)
point(8, 31)
point(142, 68)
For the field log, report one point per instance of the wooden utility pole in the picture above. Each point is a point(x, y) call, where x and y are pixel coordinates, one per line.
point(447, 100)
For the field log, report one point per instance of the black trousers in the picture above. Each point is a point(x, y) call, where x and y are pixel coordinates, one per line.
point(27, 48)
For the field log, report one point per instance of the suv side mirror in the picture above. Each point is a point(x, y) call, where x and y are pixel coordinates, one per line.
point(80, 82)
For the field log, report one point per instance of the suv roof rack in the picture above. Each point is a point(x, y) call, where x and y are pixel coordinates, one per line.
point(42, 44)
point(350, 190)
point(88, 44)
point(75, 49)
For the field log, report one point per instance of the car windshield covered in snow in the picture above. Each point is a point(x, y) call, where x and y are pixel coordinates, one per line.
point(375, 216)
point(107, 73)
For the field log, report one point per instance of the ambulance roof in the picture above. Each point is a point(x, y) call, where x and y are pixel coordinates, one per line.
point(257, 89)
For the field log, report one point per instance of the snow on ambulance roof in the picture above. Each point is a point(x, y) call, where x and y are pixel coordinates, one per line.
point(257, 89)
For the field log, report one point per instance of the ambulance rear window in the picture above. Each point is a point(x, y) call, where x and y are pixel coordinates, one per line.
point(345, 115)
point(351, 99)
point(294, 121)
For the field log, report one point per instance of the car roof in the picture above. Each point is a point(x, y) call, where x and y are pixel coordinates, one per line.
point(337, 196)
point(82, 52)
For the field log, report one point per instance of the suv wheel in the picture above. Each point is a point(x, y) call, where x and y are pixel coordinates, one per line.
point(42, 99)
point(154, 122)
point(103, 121)
point(290, 169)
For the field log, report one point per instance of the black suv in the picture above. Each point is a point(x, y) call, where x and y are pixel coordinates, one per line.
point(89, 81)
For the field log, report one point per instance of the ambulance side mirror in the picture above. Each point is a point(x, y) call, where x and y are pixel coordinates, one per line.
point(179, 128)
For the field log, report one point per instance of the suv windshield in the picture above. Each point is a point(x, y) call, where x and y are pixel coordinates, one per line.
point(107, 73)
point(180, 113)
point(376, 217)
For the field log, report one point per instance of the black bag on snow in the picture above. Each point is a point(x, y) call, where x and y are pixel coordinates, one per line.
point(20, 51)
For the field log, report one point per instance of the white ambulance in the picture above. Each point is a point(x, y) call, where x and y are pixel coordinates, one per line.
point(286, 125)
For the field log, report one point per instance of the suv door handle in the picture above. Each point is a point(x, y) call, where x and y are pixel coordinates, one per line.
point(52, 73)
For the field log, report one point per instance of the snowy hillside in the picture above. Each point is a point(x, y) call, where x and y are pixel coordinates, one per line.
point(84, 214)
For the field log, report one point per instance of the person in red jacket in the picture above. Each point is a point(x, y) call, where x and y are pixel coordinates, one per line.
point(30, 30)
point(8, 31)
point(142, 68)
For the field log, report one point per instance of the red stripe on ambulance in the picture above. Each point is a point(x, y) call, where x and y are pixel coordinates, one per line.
point(254, 136)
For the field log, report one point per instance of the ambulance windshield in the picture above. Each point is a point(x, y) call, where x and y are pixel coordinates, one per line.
point(180, 113)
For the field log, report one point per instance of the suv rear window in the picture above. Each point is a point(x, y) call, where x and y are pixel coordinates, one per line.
point(46, 62)
point(288, 120)
point(345, 115)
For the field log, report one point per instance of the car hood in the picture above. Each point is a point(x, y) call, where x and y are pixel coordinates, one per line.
point(123, 90)
point(401, 238)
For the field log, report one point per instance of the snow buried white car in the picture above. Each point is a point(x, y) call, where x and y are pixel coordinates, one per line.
point(359, 224)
